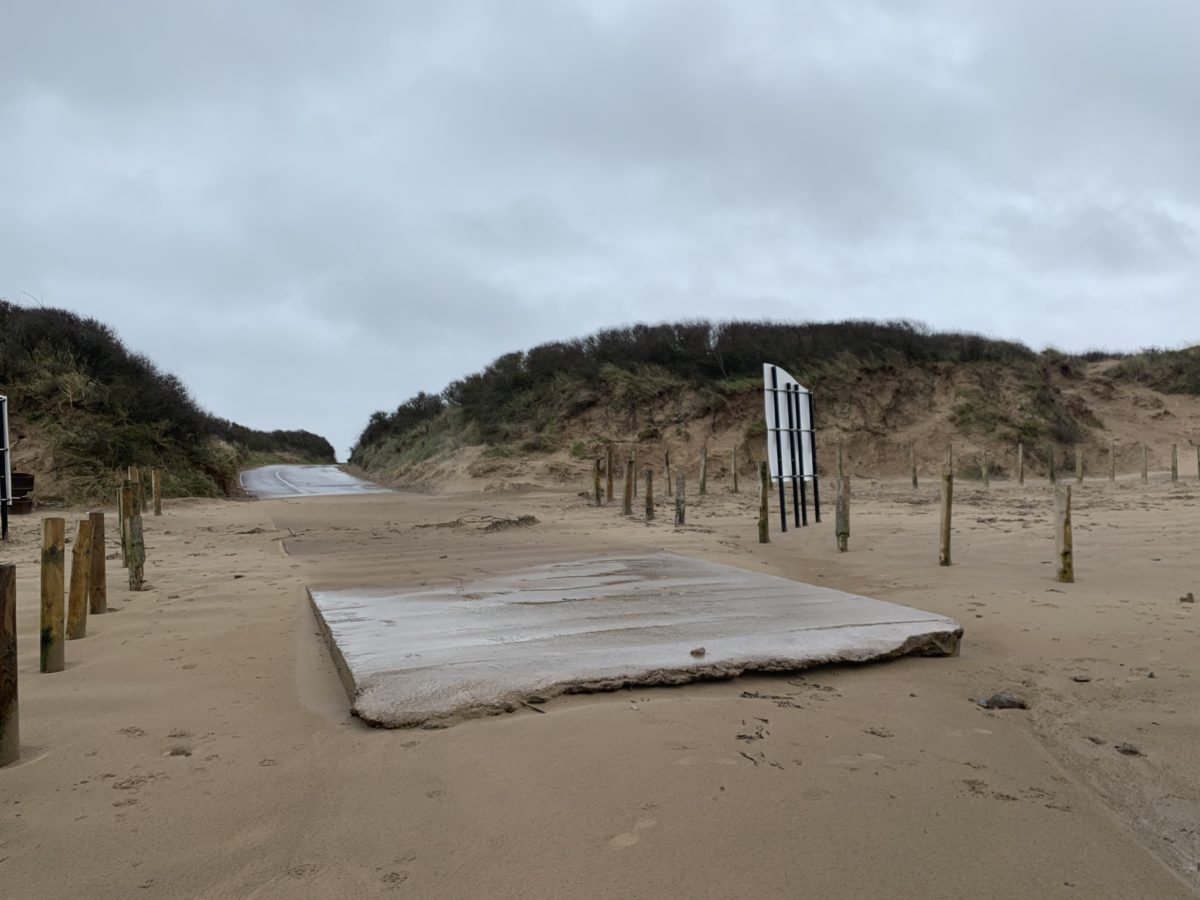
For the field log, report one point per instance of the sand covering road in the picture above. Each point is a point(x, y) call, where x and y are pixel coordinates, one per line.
point(199, 745)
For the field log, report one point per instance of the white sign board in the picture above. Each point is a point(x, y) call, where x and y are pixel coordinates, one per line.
point(789, 425)
point(5, 455)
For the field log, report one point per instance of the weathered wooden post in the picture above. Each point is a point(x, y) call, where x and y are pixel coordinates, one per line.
point(1062, 534)
point(10, 721)
point(1078, 464)
point(121, 527)
point(98, 578)
point(608, 475)
point(53, 649)
point(947, 504)
point(1174, 462)
point(733, 467)
point(842, 514)
point(764, 495)
point(1112, 461)
point(627, 506)
point(81, 571)
point(841, 463)
point(649, 494)
point(1198, 461)
point(128, 503)
point(634, 460)
point(1020, 463)
point(156, 488)
point(704, 469)
point(1052, 473)
point(680, 503)
point(987, 476)
point(667, 460)
point(1145, 465)
point(137, 546)
point(912, 459)
point(597, 497)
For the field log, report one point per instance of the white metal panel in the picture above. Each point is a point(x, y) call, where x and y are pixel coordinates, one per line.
point(783, 394)
point(5, 455)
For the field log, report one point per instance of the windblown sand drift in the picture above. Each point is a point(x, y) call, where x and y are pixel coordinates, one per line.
point(426, 656)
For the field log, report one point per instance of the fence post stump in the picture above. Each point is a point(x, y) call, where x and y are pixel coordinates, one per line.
point(987, 476)
point(947, 505)
point(667, 460)
point(649, 494)
point(764, 496)
point(1145, 465)
point(627, 505)
point(912, 460)
point(1062, 534)
point(596, 495)
point(842, 514)
point(10, 722)
point(98, 577)
point(733, 467)
point(1112, 461)
point(1053, 473)
point(704, 470)
point(156, 489)
point(121, 528)
point(81, 572)
point(680, 502)
point(1020, 463)
point(1174, 462)
point(1078, 464)
point(53, 647)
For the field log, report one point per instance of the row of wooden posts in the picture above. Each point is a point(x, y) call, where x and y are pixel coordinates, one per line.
point(63, 621)
point(603, 469)
point(1052, 470)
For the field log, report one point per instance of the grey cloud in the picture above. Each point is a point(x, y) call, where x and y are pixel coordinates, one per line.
point(310, 211)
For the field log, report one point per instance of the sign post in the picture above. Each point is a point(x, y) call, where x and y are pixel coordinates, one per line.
point(791, 442)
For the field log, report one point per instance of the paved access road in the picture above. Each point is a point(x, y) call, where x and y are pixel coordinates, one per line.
point(269, 482)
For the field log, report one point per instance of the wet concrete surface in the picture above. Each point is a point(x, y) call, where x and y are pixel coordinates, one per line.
point(270, 482)
point(435, 655)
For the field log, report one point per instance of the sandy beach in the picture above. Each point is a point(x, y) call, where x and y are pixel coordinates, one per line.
point(199, 742)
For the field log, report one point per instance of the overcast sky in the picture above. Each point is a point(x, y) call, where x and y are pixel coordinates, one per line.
point(313, 210)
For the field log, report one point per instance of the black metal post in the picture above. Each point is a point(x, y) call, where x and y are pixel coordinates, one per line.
point(793, 423)
point(812, 423)
point(778, 446)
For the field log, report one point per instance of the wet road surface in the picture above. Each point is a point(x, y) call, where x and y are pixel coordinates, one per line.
point(270, 482)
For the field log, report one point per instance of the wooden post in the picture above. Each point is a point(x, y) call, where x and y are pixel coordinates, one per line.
point(912, 458)
point(1198, 461)
point(127, 512)
point(987, 477)
point(680, 503)
point(156, 487)
point(1145, 465)
point(1053, 475)
point(1112, 461)
point(649, 494)
point(634, 473)
point(704, 469)
point(842, 514)
point(137, 553)
point(608, 475)
point(135, 476)
point(764, 500)
point(98, 578)
point(1062, 534)
point(627, 506)
point(667, 460)
point(947, 504)
point(949, 466)
point(597, 497)
point(1020, 463)
point(1174, 462)
point(121, 528)
point(81, 570)
point(53, 655)
point(1078, 464)
point(841, 463)
point(733, 467)
point(10, 720)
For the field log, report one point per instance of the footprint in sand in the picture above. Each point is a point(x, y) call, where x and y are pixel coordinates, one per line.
point(629, 838)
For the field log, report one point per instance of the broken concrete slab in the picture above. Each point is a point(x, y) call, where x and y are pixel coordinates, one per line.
point(430, 656)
